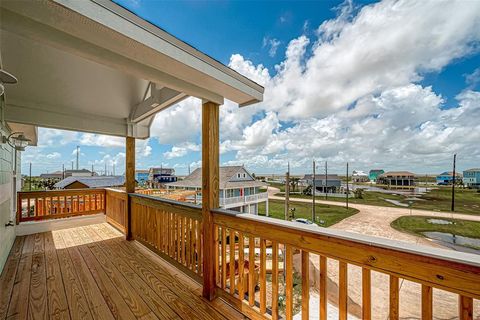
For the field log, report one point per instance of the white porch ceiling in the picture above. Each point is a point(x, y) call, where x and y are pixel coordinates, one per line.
point(88, 66)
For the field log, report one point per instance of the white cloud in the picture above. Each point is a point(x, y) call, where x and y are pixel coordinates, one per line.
point(53, 155)
point(272, 44)
point(181, 150)
point(98, 140)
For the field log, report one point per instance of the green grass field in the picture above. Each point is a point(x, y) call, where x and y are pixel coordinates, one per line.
point(416, 225)
point(329, 214)
point(466, 200)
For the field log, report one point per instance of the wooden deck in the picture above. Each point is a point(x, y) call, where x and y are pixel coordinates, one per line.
point(92, 273)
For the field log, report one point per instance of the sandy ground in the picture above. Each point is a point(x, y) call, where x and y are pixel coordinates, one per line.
point(375, 221)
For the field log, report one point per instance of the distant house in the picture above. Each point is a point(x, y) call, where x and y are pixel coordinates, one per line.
point(68, 173)
point(397, 179)
point(471, 178)
point(329, 184)
point(142, 177)
point(239, 190)
point(91, 182)
point(446, 178)
point(374, 173)
point(158, 176)
point(360, 176)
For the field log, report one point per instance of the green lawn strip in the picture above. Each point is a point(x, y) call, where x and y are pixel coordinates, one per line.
point(417, 224)
point(328, 213)
point(467, 201)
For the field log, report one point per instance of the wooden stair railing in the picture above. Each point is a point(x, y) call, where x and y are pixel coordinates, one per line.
point(44, 205)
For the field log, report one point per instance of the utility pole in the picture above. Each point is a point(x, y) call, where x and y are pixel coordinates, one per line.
point(453, 182)
point(348, 191)
point(72, 164)
point(189, 169)
point(114, 168)
point(63, 171)
point(92, 170)
point(287, 192)
point(105, 172)
point(77, 155)
point(30, 181)
point(313, 192)
point(326, 180)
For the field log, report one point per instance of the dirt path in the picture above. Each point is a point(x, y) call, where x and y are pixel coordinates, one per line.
point(375, 221)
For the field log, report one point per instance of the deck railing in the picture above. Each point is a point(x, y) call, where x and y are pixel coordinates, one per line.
point(258, 261)
point(116, 209)
point(171, 229)
point(258, 240)
point(43, 205)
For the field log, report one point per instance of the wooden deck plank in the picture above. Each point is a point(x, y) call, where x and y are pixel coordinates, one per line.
point(93, 273)
point(18, 307)
point(77, 303)
point(96, 302)
point(148, 269)
point(37, 304)
point(7, 278)
point(159, 298)
point(57, 300)
point(115, 302)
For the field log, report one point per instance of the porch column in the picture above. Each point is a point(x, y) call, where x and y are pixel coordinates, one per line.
point(129, 182)
point(210, 191)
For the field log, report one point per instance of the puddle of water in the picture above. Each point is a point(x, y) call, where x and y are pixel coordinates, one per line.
point(457, 242)
point(439, 221)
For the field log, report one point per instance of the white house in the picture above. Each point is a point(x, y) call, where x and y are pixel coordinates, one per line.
point(239, 190)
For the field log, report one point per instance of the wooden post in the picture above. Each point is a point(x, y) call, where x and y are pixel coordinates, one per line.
point(129, 181)
point(210, 191)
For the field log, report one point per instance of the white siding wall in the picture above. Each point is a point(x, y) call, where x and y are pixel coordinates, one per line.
point(7, 234)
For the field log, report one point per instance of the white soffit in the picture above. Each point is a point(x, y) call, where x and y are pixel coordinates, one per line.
point(87, 66)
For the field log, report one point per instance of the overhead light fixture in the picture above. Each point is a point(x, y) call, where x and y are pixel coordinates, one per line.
point(17, 140)
point(6, 77)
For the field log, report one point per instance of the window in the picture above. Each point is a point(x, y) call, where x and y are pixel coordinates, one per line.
point(244, 175)
point(238, 175)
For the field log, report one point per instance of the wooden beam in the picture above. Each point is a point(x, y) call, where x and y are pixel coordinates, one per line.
point(129, 181)
point(210, 191)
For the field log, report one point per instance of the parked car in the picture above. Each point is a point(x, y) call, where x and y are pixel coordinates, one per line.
point(304, 221)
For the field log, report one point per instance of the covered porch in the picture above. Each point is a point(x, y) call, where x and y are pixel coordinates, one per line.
point(92, 66)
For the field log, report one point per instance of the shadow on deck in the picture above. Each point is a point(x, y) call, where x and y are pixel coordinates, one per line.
point(91, 272)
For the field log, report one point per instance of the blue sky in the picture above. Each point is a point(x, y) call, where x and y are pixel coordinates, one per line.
point(369, 84)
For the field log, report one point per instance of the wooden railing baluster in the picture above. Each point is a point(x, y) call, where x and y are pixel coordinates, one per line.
point(305, 284)
point(427, 303)
point(323, 288)
point(231, 263)
point(241, 265)
point(251, 270)
point(342, 290)
point(394, 298)
point(366, 294)
point(465, 306)
point(263, 276)
point(289, 282)
point(274, 280)
point(224, 258)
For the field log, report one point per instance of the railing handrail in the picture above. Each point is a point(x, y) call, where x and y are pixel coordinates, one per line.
point(167, 201)
point(462, 270)
point(60, 192)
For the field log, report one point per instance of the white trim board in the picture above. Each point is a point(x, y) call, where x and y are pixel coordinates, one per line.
point(26, 228)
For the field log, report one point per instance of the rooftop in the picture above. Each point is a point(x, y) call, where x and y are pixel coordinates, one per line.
point(227, 179)
point(93, 182)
